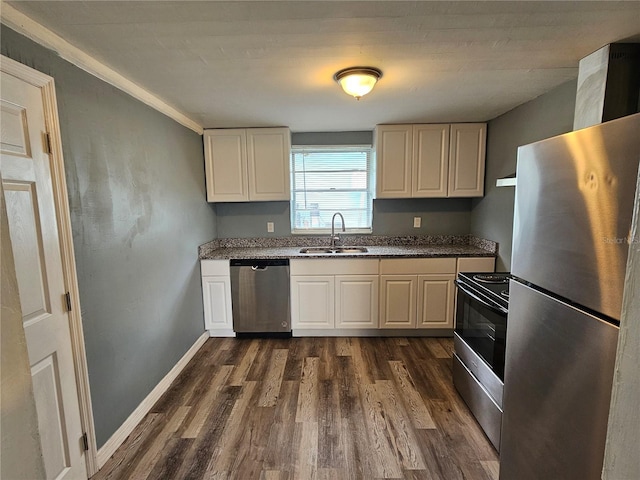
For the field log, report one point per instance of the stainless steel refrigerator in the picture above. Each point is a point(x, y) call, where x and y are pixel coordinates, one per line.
point(575, 196)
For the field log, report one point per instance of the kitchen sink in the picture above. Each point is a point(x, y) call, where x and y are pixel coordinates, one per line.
point(351, 250)
point(316, 250)
point(334, 250)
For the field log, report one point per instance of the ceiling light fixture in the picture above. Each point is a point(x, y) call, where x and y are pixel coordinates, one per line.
point(358, 81)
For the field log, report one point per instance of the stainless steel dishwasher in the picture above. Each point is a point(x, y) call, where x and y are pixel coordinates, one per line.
point(260, 298)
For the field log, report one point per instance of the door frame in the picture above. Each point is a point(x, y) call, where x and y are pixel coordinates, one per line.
point(47, 87)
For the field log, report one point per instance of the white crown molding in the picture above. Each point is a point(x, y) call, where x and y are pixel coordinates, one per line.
point(24, 25)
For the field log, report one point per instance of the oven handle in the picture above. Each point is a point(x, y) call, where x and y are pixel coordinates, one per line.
point(494, 308)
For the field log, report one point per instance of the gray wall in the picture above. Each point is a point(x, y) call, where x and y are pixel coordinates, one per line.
point(546, 116)
point(138, 211)
point(440, 216)
point(390, 217)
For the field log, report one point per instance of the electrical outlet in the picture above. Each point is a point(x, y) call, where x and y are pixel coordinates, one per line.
point(270, 227)
point(417, 221)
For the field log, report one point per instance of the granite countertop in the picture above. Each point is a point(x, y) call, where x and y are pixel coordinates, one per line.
point(377, 246)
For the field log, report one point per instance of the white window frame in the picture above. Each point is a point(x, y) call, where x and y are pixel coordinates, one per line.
point(370, 189)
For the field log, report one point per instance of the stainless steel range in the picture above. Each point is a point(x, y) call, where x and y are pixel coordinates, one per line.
point(479, 343)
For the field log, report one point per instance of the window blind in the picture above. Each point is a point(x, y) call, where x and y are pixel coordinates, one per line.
point(330, 179)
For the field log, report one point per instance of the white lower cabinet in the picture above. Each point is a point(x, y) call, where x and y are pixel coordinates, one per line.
point(342, 294)
point(417, 293)
point(216, 295)
point(436, 301)
point(356, 301)
point(312, 301)
point(398, 301)
point(334, 293)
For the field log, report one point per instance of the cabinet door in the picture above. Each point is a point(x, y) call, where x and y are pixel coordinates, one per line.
point(216, 293)
point(466, 159)
point(394, 149)
point(398, 301)
point(356, 301)
point(435, 301)
point(430, 167)
point(268, 152)
point(225, 153)
point(312, 302)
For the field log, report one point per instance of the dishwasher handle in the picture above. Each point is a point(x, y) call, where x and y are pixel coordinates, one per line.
point(259, 264)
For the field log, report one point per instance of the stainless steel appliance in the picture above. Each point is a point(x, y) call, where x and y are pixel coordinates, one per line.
point(260, 298)
point(574, 205)
point(479, 344)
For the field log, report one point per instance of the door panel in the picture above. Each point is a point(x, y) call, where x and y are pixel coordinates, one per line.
point(14, 137)
point(313, 302)
point(435, 301)
point(53, 436)
point(34, 236)
point(430, 160)
point(26, 237)
point(356, 301)
point(398, 301)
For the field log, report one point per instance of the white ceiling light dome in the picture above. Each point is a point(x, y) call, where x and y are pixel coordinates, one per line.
point(358, 81)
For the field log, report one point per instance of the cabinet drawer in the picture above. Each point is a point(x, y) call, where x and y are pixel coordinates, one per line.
point(214, 267)
point(476, 264)
point(416, 266)
point(334, 266)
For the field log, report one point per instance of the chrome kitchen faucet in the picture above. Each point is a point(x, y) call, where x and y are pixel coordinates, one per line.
point(336, 238)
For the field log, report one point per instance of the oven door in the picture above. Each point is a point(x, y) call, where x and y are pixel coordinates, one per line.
point(482, 325)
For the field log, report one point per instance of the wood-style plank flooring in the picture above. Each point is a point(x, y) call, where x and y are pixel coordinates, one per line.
point(310, 408)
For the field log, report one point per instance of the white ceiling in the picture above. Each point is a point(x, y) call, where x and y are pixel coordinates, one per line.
point(242, 64)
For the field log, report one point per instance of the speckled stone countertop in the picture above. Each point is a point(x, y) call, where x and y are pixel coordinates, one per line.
point(377, 246)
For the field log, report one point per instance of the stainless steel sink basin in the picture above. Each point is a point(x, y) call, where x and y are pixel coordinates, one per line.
point(316, 250)
point(335, 250)
point(351, 250)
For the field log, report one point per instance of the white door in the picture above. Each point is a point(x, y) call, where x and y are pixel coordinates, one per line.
point(435, 301)
point(430, 174)
point(312, 301)
point(268, 154)
point(28, 191)
point(398, 301)
point(356, 301)
point(225, 154)
point(394, 152)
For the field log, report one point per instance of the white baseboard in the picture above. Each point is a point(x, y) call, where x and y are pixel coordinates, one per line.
point(221, 332)
point(120, 435)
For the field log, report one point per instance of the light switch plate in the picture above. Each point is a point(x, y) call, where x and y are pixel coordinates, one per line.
point(417, 221)
point(270, 227)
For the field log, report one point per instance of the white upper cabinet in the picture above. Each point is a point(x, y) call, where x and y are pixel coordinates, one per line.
point(247, 164)
point(430, 160)
point(466, 164)
point(268, 152)
point(394, 151)
point(225, 153)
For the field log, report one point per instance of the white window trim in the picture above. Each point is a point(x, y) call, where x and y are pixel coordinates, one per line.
point(371, 187)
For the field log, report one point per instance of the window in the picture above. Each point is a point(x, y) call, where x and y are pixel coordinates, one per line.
point(330, 179)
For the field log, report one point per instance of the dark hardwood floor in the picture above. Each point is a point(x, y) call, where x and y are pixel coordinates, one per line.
point(310, 408)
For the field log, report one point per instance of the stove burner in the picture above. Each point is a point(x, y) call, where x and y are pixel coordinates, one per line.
point(505, 293)
point(491, 278)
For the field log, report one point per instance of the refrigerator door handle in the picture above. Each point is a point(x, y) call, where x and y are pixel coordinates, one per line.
point(485, 303)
